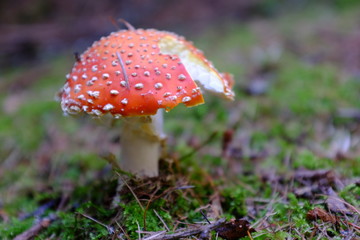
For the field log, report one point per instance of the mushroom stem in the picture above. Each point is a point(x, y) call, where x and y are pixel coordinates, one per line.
point(141, 144)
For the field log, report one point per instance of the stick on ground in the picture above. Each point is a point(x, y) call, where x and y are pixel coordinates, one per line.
point(182, 233)
point(36, 228)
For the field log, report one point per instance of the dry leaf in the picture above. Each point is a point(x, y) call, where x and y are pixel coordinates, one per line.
point(235, 229)
point(323, 215)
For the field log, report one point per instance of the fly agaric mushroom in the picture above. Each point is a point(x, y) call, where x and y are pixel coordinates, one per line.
point(134, 74)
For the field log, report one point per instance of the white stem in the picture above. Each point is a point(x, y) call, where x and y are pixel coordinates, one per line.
point(141, 142)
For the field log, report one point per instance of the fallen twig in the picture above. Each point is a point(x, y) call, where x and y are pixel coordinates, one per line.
point(183, 233)
point(154, 237)
point(37, 228)
point(108, 228)
point(123, 231)
point(40, 210)
point(162, 220)
point(132, 192)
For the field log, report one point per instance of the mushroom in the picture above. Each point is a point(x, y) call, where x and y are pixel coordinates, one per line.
point(134, 74)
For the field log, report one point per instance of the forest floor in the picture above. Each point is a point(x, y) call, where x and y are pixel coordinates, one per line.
point(280, 162)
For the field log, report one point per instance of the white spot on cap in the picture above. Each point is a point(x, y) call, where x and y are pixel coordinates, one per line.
point(168, 76)
point(181, 77)
point(114, 92)
point(94, 94)
point(186, 99)
point(81, 97)
point(105, 76)
point(173, 98)
point(137, 66)
point(90, 83)
point(67, 76)
point(158, 85)
point(128, 62)
point(167, 94)
point(164, 65)
point(134, 74)
point(139, 86)
point(117, 73)
point(147, 73)
point(74, 77)
point(77, 88)
point(114, 63)
point(124, 101)
point(84, 76)
point(97, 112)
point(108, 83)
point(108, 107)
point(66, 88)
point(74, 109)
point(94, 68)
point(123, 83)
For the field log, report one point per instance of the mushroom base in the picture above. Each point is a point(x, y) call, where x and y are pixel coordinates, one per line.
point(141, 145)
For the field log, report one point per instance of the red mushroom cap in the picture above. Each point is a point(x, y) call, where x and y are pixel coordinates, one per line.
point(129, 74)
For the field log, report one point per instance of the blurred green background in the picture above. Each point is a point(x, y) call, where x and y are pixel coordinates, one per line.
point(297, 70)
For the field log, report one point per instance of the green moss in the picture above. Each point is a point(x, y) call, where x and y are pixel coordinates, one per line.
point(351, 166)
point(29, 129)
point(345, 4)
point(6, 125)
point(14, 227)
point(20, 206)
point(305, 89)
point(134, 217)
point(294, 212)
point(185, 207)
point(309, 160)
point(351, 194)
point(234, 201)
point(265, 235)
point(259, 140)
point(72, 225)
